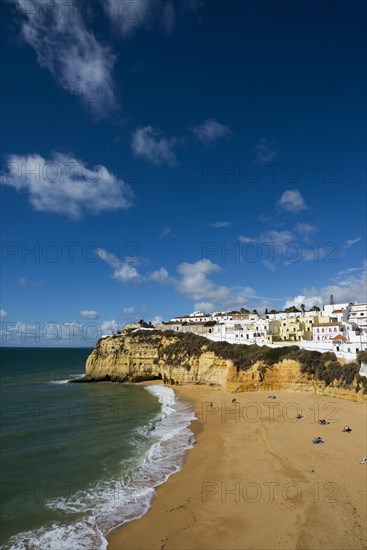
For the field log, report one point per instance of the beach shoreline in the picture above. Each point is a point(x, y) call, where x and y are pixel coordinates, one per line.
point(255, 480)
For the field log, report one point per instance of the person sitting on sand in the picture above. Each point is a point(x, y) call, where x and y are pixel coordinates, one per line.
point(363, 461)
point(299, 417)
point(347, 429)
point(323, 421)
point(318, 440)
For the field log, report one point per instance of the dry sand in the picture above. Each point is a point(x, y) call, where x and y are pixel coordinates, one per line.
point(255, 480)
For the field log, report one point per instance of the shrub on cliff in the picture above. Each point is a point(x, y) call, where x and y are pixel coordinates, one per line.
point(362, 357)
point(317, 365)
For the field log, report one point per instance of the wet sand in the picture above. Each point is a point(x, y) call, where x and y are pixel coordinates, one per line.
point(255, 480)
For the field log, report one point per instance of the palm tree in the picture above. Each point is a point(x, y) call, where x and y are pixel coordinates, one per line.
point(303, 308)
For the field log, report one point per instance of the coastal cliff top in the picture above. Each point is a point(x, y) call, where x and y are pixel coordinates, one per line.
point(177, 347)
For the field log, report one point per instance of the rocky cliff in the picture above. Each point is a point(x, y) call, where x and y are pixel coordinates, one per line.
point(184, 358)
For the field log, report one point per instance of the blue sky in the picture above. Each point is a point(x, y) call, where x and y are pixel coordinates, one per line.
point(160, 157)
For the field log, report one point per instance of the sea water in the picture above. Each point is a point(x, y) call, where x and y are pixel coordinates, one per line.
point(78, 460)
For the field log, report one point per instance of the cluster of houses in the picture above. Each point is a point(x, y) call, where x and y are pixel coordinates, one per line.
point(341, 328)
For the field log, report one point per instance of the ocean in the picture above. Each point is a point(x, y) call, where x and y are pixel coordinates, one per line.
point(78, 460)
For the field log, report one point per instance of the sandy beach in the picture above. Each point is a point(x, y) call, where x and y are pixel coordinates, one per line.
point(255, 480)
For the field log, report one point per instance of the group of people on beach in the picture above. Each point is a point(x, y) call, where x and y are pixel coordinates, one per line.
point(272, 396)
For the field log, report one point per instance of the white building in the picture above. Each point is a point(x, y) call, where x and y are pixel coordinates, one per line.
point(358, 314)
point(328, 309)
point(325, 332)
point(196, 317)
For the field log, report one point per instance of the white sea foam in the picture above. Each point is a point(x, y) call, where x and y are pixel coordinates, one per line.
point(110, 503)
point(71, 377)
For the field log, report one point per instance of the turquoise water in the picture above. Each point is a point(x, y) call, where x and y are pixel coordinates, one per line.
point(79, 459)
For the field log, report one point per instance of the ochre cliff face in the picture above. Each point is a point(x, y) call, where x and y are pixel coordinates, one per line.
point(126, 358)
point(130, 359)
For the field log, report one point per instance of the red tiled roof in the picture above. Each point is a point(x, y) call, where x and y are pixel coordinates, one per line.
point(338, 310)
point(339, 337)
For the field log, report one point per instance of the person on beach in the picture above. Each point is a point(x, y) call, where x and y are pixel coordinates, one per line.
point(323, 421)
point(299, 416)
point(347, 429)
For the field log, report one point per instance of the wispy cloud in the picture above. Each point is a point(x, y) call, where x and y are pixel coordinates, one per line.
point(161, 276)
point(89, 314)
point(166, 232)
point(122, 271)
point(346, 287)
point(23, 281)
point(193, 281)
point(3, 313)
point(150, 146)
point(78, 62)
point(305, 229)
point(277, 238)
point(351, 242)
point(266, 150)
point(292, 201)
point(130, 16)
point(210, 131)
point(220, 224)
point(65, 185)
point(128, 310)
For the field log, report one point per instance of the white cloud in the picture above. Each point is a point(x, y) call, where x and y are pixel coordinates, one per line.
point(129, 16)
point(266, 150)
point(195, 284)
point(148, 145)
point(349, 270)
point(305, 229)
point(169, 17)
point(23, 281)
point(308, 302)
point(210, 130)
point(78, 62)
point(3, 313)
point(292, 201)
point(122, 271)
point(351, 242)
point(193, 281)
point(128, 310)
point(205, 307)
point(161, 276)
point(109, 327)
point(156, 320)
point(89, 314)
point(278, 239)
point(166, 232)
point(346, 287)
point(64, 185)
point(220, 224)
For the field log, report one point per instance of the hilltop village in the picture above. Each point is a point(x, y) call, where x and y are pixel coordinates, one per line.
point(339, 328)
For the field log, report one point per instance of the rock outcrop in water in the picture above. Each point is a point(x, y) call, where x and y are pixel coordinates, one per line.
point(184, 358)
